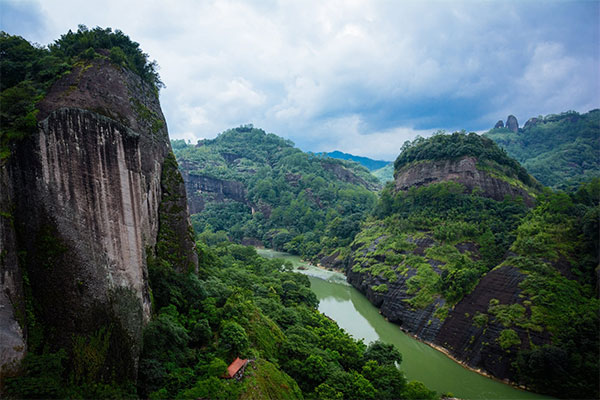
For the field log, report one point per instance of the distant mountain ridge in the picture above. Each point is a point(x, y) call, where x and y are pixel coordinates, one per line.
point(366, 162)
point(560, 150)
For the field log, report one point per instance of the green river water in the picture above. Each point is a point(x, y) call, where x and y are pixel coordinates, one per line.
point(357, 316)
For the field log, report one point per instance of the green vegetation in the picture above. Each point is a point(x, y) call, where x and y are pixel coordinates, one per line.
point(460, 144)
point(561, 150)
point(445, 240)
point(28, 72)
point(304, 204)
point(508, 338)
point(450, 218)
point(385, 174)
point(239, 305)
point(247, 306)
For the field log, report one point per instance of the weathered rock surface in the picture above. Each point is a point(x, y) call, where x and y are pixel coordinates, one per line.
point(512, 123)
point(393, 306)
point(12, 335)
point(463, 171)
point(87, 196)
point(201, 189)
point(333, 261)
point(478, 346)
point(499, 124)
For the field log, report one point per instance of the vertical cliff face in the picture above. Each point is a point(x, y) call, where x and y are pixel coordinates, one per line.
point(89, 192)
point(12, 337)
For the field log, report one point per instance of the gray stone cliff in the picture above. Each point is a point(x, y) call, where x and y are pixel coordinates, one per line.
point(86, 203)
point(463, 171)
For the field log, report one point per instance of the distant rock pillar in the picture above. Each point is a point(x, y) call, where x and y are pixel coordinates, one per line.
point(512, 123)
point(499, 124)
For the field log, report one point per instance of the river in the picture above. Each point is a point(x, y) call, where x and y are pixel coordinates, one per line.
point(357, 316)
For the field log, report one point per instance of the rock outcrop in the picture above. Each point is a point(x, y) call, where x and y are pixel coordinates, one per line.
point(478, 344)
point(88, 196)
point(202, 189)
point(463, 171)
point(499, 124)
point(512, 123)
point(469, 332)
point(12, 305)
point(531, 122)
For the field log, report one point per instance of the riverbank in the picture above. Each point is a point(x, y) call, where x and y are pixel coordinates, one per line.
point(422, 361)
point(447, 353)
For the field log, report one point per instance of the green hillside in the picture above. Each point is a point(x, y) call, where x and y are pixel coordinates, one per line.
point(385, 174)
point(558, 150)
point(426, 249)
point(237, 304)
point(294, 201)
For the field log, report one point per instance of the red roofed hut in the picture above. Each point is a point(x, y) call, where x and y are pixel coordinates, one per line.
point(236, 369)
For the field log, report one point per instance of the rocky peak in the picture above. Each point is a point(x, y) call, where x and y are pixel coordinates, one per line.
point(512, 123)
point(464, 171)
point(499, 124)
point(88, 191)
point(531, 122)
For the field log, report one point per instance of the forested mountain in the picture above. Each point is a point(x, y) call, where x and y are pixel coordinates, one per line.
point(384, 174)
point(366, 162)
point(258, 188)
point(104, 292)
point(107, 292)
point(560, 150)
point(469, 252)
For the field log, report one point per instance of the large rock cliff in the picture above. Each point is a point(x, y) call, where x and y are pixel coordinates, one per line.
point(203, 189)
point(464, 171)
point(89, 196)
point(435, 257)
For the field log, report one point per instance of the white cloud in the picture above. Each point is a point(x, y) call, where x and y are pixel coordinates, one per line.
point(360, 75)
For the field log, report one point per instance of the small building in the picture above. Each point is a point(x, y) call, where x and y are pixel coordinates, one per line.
point(236, 369)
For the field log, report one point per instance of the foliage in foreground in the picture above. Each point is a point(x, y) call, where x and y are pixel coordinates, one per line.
point(239, 305)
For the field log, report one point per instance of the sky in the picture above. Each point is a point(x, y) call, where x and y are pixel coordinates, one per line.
point(356, 76)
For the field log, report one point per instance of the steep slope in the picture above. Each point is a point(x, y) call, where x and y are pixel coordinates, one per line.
point(559, 150)
point(91, 190)
point(455, 256)
point(94, 231)
point(260, 189)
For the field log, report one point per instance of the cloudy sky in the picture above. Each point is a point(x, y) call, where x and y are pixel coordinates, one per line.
point(357, 76)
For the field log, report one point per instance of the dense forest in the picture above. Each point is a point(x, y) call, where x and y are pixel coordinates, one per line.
point(560, 150)
point(435, 244)
point(235, 304)
point(301, 203)
point(440, 240)
point(238, 305)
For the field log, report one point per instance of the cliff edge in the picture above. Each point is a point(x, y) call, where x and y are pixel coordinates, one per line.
point(90, 191)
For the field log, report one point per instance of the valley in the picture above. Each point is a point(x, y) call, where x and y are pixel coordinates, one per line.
point(357, 316)
point(129, 265)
